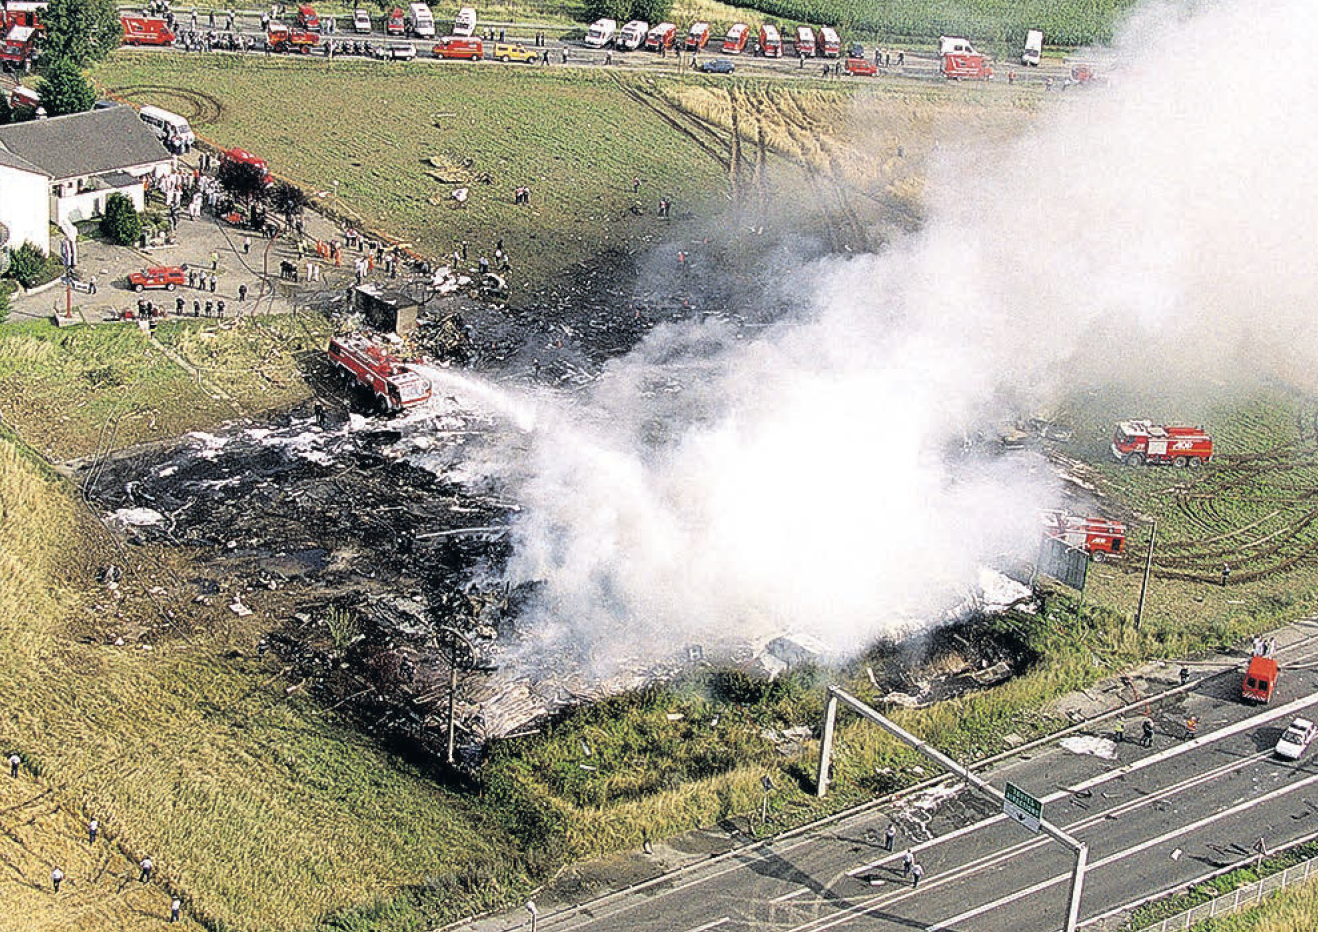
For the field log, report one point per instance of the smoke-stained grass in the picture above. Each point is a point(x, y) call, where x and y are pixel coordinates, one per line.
point(68, 390)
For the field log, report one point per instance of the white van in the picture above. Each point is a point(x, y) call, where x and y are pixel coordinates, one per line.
point(601, 33)
point(632, 36)
point(465, 23)
point(420, 21)
point(168, 125)
point(1033, 48)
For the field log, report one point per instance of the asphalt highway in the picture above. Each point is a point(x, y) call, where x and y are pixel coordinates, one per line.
point(1154, 819)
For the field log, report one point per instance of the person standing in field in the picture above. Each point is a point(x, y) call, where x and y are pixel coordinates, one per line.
point(56, 878)
point(14, 763)
point(146, 866)
point(917, 873)
point(175, 909)
point(92, 828)
point(890, 836)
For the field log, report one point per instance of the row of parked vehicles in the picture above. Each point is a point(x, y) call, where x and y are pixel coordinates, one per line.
point(637, 34)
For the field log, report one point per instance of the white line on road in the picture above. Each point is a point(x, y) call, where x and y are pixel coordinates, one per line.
point(711, 925)
point(790, 896)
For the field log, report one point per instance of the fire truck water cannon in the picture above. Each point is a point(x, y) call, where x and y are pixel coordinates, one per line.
point(1098, 537)
point(1136, 443)
point(393, 385)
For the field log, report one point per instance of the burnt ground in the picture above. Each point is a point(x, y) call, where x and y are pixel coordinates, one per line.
point(349, 534)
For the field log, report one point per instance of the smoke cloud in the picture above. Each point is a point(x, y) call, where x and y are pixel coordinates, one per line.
point(712, 489)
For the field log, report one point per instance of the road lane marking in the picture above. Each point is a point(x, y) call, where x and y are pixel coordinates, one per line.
point(710, 925)
point(790, 896)
point(1122, 855)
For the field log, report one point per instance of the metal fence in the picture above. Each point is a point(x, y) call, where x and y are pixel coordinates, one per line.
point(1238, 899)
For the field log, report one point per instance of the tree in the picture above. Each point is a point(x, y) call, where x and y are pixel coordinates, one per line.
point(122, 223)
point(617, 10)
point(244, 181)
point(288, 199)
point(29, 266)
point(652, 11)
point(81, 31)
point(65, 90)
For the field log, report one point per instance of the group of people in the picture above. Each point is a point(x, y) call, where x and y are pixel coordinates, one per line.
point(146, 867)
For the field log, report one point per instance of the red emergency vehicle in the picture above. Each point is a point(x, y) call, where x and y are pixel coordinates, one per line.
point(862, 67)
point(1138, 442)
point(1097, 537)
point(828, 43)
point(18, 48)
point(697, 37)
point(661, 37)
point(735, 41)
point(307, 18)
point(958, 59)
point(771, 43)
point(1260, 679)
point(282, 39)
point(22, 13)
point(24, 98)
point(393, 384)
point(140, 30)
point(242, 155)
point(805, 42)
point(396, 24)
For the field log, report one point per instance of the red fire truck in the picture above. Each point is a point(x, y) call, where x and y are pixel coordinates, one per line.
point(393, 384)
point(1138, 442)
point(18, 48)
point(396, 24)
point(1097, 537)
point(22, 13)
point(958, 59)
point(141, 30)
point(282, 39)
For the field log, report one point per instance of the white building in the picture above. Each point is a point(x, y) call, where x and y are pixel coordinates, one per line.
point(60, 171)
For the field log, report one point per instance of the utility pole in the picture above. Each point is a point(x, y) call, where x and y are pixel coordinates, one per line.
point(1148, 567)
point(455, 636)
point(835, 695)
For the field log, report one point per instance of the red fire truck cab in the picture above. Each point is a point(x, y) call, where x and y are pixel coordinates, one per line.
point(1097, 537)
point(735, 41)
point(242, 155)
point(1138, 442)
point(307, 18)
point(396, 24)
point(18, 47)
point(22, 13)
point(282, 39)
point(390, 381)
point(141, 30)
point(1260, 679)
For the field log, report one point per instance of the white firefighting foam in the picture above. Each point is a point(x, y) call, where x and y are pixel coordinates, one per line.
point(710, 490)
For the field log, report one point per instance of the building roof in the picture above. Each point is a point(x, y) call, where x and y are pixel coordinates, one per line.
point(9, 160)
point(84, 143)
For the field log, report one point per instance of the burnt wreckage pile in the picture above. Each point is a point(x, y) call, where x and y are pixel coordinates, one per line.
point(354, 553)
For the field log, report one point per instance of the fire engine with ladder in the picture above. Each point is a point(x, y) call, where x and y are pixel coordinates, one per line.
point(1098, 537)
point(1138, 442)
point(393, 385)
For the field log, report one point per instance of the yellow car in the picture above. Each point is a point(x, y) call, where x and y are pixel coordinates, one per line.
point(510, 52)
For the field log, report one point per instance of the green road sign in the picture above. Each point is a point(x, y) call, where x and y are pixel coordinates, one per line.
point(1022, 807)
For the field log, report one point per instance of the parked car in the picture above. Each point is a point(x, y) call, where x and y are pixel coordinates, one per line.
point(1295, 739)
point(399, 51)
point(862, 67)
point(167, 277)
point(719, 66)
point(508, 51)
point(361, 21)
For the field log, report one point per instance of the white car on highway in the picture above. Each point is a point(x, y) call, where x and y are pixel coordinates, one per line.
point(1295, 739)
point(361, 21)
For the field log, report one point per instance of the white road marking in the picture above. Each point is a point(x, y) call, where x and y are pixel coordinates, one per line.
point(711, 925)
point(790, 896)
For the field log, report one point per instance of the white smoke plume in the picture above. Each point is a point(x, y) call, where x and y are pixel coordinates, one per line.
point(711, 490)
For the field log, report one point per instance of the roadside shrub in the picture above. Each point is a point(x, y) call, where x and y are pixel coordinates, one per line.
point(4, 303)
point(30, 266)
point(122, 224)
